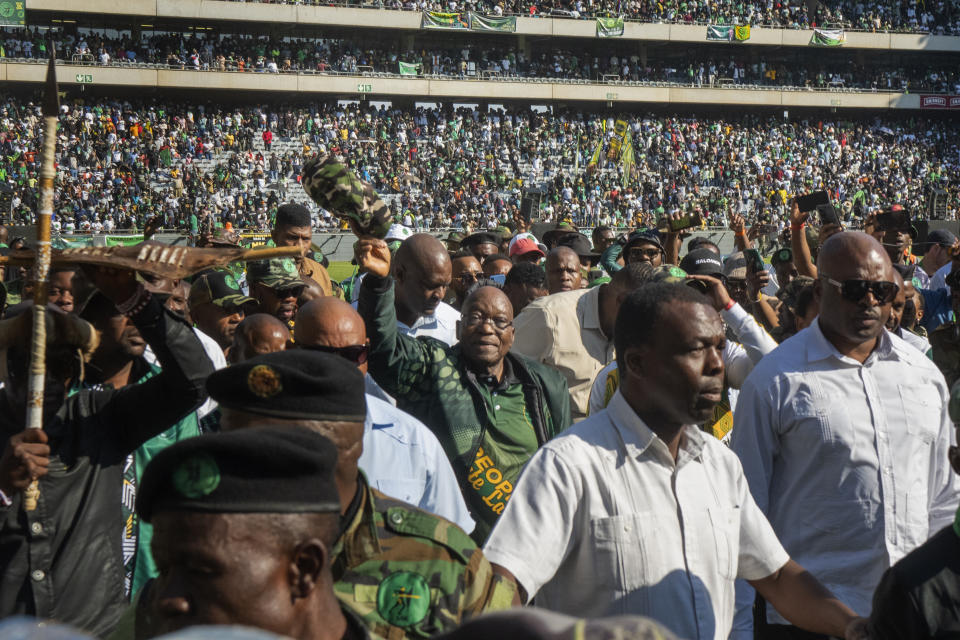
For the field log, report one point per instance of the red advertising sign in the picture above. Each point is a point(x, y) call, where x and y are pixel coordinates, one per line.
point(940, 102)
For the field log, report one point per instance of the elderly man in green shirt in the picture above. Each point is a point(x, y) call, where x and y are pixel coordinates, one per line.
point(490, 409)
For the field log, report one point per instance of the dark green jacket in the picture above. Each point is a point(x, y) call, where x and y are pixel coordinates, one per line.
point(429, 380)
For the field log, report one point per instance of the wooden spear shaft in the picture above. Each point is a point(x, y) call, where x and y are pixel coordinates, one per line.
point(38, 342)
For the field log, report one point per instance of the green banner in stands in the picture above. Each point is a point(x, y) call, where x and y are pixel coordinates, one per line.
point(13, 13)
point(609, 27)
point(720, 32)
point(493, 23)
point(828, 37)
point(437, 20)
point(408, 68)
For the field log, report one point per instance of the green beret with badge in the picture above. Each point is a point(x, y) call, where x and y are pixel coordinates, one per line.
point(338, 190)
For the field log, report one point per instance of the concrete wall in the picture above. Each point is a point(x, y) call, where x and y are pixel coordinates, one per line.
point(423, 89)
point(405, 20)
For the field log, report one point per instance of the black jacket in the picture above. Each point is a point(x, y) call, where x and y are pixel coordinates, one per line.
point(64, 560)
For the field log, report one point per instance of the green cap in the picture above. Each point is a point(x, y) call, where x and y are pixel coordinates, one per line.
point(668, 273)
point(219, 288)
point(789, 293)
point(279, 273)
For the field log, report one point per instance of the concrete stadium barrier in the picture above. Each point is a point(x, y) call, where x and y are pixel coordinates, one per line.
point(419, 88)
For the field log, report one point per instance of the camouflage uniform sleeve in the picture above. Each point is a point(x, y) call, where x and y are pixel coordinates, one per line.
point(485, 590)
point(402, 365)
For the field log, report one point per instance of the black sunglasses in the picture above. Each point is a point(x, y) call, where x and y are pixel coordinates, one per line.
point(856, 290)
point(355, 353)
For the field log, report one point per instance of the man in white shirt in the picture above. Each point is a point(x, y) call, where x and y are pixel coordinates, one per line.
point(636, 511)
point(843, 434)
point(401, 456)
point(422, 271)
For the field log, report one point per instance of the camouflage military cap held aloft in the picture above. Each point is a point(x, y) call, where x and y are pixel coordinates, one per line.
point(255, 470)
point(338, 190)
point(219, 288)
point(279, 273)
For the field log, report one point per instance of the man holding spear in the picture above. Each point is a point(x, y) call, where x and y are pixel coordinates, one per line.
point(61, 478)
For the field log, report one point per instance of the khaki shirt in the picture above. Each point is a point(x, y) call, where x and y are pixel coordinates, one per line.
point(313, 269)
point(563, 331)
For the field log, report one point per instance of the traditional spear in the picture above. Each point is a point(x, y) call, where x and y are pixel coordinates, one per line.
point(38, 352)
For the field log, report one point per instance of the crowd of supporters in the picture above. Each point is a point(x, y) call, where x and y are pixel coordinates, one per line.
point(934, 16)
point(264, 54)
point(123, 161)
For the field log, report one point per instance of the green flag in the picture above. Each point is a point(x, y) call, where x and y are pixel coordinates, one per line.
point(828, 37)
point(609, 27)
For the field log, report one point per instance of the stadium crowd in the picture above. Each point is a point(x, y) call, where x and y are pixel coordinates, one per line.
point(229, 52)
point(935, 16)
point(125, 161)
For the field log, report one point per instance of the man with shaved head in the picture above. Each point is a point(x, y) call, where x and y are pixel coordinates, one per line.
point(489, 408)
point(258, 334)
point(843, 434)
point(422, 273)
point(563, 270)
point(401, 457)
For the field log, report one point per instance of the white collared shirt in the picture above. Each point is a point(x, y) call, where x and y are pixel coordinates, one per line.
point(604, 522)
point(848, 460)
point(403, 459)
point(442, 325)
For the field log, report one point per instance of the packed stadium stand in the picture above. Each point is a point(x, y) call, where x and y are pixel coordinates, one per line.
point(454, 111)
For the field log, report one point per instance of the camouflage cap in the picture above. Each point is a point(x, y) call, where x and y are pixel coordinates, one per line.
point(218, 288)
point(504, 232)
point(668, 273)
point(789, 293)
point(338, 190)
point(280, 273)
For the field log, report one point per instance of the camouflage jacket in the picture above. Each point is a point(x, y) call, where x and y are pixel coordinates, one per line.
point(410, 574)
point(945, 345)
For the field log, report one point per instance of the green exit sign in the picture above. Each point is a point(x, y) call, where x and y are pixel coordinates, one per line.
point(84, 78)
point(364, 88)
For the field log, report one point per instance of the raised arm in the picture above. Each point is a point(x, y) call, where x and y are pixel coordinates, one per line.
point(138, 412)
point(398, 363)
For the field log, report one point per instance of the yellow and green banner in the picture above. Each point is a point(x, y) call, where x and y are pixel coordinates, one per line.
point(13, 13)
point(438, 20)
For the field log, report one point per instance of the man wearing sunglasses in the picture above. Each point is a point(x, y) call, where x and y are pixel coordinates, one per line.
point(466, 272)
point(843, 435)
point(401, 457)
point(276, 285)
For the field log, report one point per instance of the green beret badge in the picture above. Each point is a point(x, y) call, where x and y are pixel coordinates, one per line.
point(263, 381)
point(196, 476)
point(230, 282)
point(403, 598)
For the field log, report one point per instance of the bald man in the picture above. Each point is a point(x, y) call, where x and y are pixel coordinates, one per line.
point(422, 272)
point(489, 408)
point(258, 334)
point(843, 434)
point(563, 270)
point(401, 457)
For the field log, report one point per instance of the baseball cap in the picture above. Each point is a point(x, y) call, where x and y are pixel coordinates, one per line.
point(943, 237)
point(398, 232)
point(279, 273)
point(735, 266)
point(781, 256)
point(219, 288)
point(525, 243)
point(643, 235)
point(702, 262)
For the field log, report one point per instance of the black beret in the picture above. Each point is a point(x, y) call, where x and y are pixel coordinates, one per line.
point(293, 384)
point(275, 469)
point(480, 237)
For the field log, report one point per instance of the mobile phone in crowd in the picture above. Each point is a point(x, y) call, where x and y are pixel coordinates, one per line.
point(669, 225)
point(827, 214)
point(811, 201)
point(754, 261)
